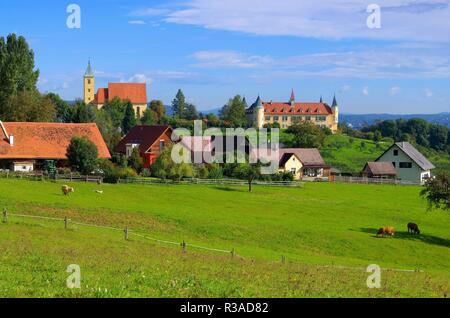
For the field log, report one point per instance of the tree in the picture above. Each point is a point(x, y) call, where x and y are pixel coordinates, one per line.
point(129, 118)
point(249, 172)
point(29, 106)
point(191, 112)
point(234, 112)
point(179, 105)
point(64, 112)
point(116, 109)
point(135, 161)
point(82, 154)
point(148, 117)
point(306, 135)
point(436, 191)
point(83, 113)
point(158, 110)
point(17, 72)
point(438, 137)
point(165, 168)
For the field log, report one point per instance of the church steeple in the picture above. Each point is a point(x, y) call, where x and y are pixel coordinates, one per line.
point(321, 99)
point(89, 85)
point(292, 99)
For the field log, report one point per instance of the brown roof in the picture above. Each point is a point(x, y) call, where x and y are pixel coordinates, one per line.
point(136, 93)
point(300, 109)
point(145, 136)
point(380, 168)
point(46, 140)
point(310, 157)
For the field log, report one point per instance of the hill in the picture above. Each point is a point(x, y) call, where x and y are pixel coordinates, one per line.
point(350, 154)
point(359, 121)
point(326, 231)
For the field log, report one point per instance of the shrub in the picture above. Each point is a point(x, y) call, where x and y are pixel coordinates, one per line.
point(82, 154)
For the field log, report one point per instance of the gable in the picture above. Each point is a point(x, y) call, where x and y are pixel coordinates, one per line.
point(145, 136)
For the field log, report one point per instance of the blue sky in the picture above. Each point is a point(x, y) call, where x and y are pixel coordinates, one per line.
point(214, 49)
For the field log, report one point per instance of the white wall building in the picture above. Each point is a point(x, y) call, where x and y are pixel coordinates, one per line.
point(408, 162)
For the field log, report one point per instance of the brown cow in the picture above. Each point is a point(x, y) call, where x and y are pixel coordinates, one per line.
point(413, 228)
point(387, 230)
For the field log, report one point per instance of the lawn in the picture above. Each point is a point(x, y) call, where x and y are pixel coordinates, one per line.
point(318, 228)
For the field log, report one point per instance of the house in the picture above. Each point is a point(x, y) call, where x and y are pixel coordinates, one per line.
point(292, 112)
point(136, 93)
point(409, 163)
point(24, 147)
point(150, 140)
point(381, 170)
point(303, 163)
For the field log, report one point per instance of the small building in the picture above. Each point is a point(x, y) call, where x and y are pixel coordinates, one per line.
point(150, 140)
point(409, 164)
point(136, 93)
point(289, 113)
point(381, 170)
point(24, 147)
point(303, 163)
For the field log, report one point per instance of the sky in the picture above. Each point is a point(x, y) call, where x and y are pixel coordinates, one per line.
point(215, 49)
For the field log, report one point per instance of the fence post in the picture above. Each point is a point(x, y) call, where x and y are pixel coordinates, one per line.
point(183, 246)
point(283, 259)
point(126, 233)
point(66, 223)
point(233, 253)
point(5, 216)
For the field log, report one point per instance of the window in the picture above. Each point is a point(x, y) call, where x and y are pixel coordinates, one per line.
point(275, 118)
point(308, 118)
point(293, 171)
point(162, 144)
point(405, 165)
point(268, 118)
point(396, 152)
point(89, 81)
point(285, 118)
point(138, 113)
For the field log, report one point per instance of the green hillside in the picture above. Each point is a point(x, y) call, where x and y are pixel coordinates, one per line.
point(318, 228)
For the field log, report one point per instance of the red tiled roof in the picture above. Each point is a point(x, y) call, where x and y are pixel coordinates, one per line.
point(145, 136)
point(308, 109)
point(47, 140)
point(136, 93)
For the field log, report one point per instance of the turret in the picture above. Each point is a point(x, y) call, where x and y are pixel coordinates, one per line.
point(335, 109)
point(259, 113)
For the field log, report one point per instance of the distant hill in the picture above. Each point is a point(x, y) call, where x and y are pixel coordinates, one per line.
point(359, 121)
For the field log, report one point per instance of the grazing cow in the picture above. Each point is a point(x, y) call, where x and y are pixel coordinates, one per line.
point(387, 230)
point(413, 228)
point(66, 190)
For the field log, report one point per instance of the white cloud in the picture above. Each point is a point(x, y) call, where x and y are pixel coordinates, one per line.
point(218, 59)
point(366, 91)
point(138, 22)
point(140, 78)
point(394, 90)
point(148, 12)
point(346, 88)
point(335, 19)
point(428, 93)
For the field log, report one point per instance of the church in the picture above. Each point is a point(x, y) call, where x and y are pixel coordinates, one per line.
point(292, 112)
point(136, 93)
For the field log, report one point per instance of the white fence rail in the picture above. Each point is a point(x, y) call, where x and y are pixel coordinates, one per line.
point(362, 180)
point(232, 182)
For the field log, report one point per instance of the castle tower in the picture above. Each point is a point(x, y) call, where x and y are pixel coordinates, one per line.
point(259, 113)
point(89, 85)
point(292, 99)
point(335, 109)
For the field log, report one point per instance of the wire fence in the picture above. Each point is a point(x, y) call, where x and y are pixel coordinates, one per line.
point(127, 233)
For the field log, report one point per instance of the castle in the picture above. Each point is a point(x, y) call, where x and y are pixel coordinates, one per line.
point(136, 93)
point(289, 113)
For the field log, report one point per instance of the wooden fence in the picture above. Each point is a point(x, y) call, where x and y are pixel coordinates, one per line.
point(231, 182)
point(362, 180)
point(41, 176)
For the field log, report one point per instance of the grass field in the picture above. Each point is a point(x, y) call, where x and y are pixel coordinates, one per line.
point(319, 228)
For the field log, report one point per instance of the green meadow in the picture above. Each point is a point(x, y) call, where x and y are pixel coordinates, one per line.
point(326, 232)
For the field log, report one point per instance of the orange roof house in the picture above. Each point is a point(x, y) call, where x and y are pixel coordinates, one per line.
point(136, 93)
point(29, 142)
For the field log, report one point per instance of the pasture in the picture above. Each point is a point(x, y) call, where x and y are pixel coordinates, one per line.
point(327, 232)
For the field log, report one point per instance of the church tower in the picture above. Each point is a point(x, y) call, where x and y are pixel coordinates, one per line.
point(89, 85)
point(335, 109)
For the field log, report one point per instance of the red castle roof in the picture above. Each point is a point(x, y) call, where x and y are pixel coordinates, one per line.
point(136, 93)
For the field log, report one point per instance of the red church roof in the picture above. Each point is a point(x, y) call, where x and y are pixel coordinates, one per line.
point(136, 93)
point(46, 140)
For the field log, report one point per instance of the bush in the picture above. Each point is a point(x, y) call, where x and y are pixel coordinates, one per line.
point(82, 154)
